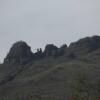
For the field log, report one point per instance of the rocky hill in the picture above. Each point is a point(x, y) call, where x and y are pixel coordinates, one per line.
point(85, 45)
point(65, 73)
point(20, 52)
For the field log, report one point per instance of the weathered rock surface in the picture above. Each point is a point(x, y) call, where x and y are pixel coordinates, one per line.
point(85, 45)
point(20, 52)
point(50, 50)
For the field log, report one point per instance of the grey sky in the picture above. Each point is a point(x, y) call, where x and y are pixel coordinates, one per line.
point(39, 22)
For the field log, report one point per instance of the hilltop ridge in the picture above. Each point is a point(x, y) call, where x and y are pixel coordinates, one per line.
point(21, 53)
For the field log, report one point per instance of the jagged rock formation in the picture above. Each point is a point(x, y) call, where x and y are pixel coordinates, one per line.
point(20, 52)
point(50, 50)
point(85, 45)
point(38, 55)
point(62, 50)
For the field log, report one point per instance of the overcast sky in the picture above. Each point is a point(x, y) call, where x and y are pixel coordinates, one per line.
point(39, 22)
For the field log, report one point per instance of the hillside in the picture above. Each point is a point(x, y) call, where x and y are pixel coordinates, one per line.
point(65, 73)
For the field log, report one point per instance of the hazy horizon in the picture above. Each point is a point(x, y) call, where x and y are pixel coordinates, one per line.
point(48, 21)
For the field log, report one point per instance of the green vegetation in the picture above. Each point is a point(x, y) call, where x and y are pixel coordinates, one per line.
point(65, 73)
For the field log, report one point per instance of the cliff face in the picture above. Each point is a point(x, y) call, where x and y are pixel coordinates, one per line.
point(20, 52)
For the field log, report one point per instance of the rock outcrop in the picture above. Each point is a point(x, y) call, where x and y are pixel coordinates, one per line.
point(85, 45)
point(50, 50)
point(19, 53)
point(62, 50)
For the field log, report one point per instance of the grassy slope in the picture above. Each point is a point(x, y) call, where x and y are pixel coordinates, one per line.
point(51, 79)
